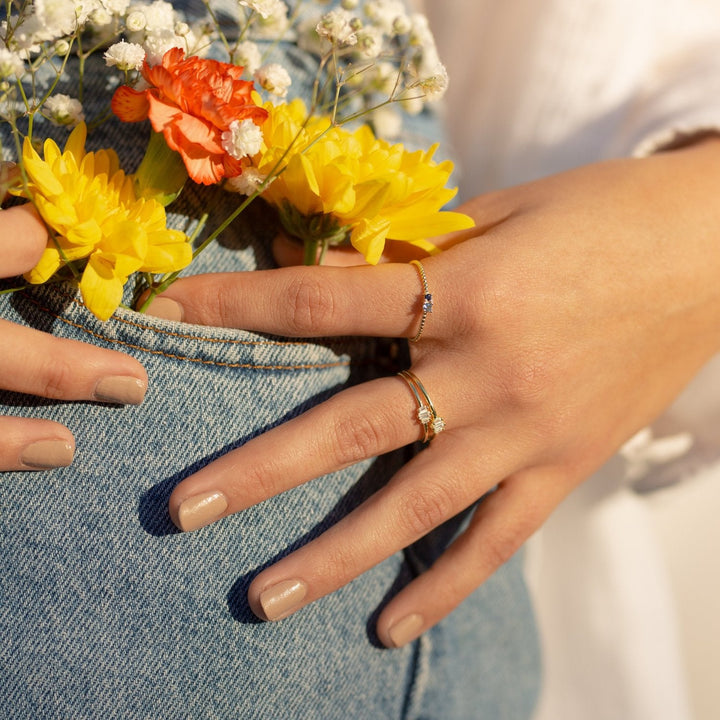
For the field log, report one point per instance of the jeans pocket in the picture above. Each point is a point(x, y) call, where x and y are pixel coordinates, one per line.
point(108, 611)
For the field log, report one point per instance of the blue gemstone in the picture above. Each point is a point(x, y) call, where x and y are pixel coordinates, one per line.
point(428, 304)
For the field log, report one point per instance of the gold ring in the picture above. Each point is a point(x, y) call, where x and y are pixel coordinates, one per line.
point(427, 416)
point(427, 299)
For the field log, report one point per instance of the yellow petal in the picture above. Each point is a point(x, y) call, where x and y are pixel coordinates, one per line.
point(368, 237)
point(47, 266)
point(101, 289)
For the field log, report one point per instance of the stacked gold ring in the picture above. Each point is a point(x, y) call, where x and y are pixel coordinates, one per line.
point(427, 415)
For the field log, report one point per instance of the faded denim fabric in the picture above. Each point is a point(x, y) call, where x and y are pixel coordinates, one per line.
point(107, 611)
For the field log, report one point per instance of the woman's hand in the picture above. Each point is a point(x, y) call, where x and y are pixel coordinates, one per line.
point(36, 363)
point(566, 321)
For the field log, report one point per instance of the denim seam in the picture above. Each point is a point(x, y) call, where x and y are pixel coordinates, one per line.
point(218, 363)
point(140, 326)
point(415, 693)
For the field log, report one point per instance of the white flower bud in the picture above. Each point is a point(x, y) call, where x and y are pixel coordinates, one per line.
point(135, 21)
point(182, 29)
point(62, 47)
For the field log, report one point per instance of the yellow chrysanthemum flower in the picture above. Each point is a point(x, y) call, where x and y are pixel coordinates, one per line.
point(93, 213)
point(337, 183)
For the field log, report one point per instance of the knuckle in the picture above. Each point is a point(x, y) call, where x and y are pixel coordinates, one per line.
point(501, 547)
point(422, 510)
point(311, 305)
point(339, 564)
point(356, 438)
point(57, 380)
point(215, 302)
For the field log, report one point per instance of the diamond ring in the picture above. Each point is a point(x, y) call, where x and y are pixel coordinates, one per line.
point(427, 416)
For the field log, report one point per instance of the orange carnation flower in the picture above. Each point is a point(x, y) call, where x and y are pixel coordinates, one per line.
point(192, 102)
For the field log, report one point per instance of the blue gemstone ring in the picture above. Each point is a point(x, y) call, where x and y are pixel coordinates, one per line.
point(427, 299)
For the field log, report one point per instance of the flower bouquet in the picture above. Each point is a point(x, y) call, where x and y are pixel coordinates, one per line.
point(220, 115)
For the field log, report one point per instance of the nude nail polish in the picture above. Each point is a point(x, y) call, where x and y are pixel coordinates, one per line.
point(200, 510)
point(283, 598)
point(405, 630)
point(121, 390)
point(47, 454)
point(166, 309)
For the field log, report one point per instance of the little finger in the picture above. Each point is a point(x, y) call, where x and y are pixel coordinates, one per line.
point(501, 524)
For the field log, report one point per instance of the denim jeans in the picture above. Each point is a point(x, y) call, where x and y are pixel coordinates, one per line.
point(107, 611)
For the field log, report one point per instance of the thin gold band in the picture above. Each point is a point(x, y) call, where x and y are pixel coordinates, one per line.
point(427, 415)
point(427, 299)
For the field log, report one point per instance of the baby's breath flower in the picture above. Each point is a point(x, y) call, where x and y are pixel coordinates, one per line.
point(135, 21)
point(369, 42)
point(64, 110)
point(401, 25)
point(115, 7)
point(100, 17)
point(420, 33)
point(125, 56)
point(265, 8)
point(349, 4)
point(159, 16)
point(435, 84)
point(248, 55)
point(11, 64)
point(182, 29)
point(337, 27)
point(242, 139)
point(247, 183)
point(387, 123)
point(385, 14)
point(275, 25)
point(383, 78)
point(273, 78)
point(157, 44)
point(413, 103)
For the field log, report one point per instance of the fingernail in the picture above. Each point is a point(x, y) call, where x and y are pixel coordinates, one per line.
point(46, 454)
point(283, 598)
point(165, 308)
point(121, 390)
point(405, 630)
point(201, 510)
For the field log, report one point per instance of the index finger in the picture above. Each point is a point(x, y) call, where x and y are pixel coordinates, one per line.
point(24, 238)
point(379, 301)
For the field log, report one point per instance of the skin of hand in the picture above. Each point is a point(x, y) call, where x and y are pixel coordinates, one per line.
point(36, 363)
point(567, 320)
